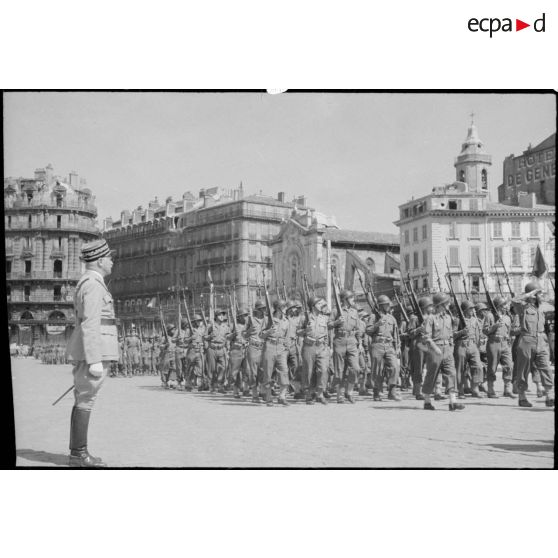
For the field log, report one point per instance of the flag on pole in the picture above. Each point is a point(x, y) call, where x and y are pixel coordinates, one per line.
point(539, 265)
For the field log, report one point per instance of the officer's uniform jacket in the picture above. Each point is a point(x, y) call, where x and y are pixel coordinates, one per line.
point(497, 330)
point(218, 334)
point(94, 338)
point(279, 336)
point(439, 328)
point(314, 330)
point(383, 330)
point(196, 339)
point(254, 331)
point(351, 326)
point(470, 333)
point(531, 318)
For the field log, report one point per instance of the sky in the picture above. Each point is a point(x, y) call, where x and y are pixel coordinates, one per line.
point(354, 156)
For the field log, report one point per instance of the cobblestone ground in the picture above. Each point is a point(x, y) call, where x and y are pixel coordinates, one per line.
point(138, 424)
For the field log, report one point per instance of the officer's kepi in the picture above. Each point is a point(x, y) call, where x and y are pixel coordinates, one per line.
point(95, 250)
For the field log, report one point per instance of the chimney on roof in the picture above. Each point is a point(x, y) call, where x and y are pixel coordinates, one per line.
point(73, 179)
point(281, 196)
point(125, 218)
point(202, 193)
point(300, 201)
point(107, 223)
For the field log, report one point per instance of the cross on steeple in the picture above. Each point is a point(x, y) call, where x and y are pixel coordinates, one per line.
point(472, 115)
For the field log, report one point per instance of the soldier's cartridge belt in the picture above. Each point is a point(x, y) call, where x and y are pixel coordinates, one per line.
point(255, 344)
point(443, 342)
point(382, 339)
point(310, 341)
point(275, 341)
point(237, 345)
point(216, 346)
point(108, 321)
point(344, 333)
point(497, 338)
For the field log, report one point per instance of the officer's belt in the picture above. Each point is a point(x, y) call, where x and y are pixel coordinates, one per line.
point(497, 338)
point(108, 321)
point(344, 333)
point(382, 339)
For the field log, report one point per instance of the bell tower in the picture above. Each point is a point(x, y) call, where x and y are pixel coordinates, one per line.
point(472, 165)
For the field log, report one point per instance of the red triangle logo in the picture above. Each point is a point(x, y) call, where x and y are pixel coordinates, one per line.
point(519, 25)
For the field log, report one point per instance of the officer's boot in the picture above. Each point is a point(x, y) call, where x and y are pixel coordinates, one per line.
point(79, 456)
point(349, 392)
point(340, 397)
point(491, 392)
point(508, 390)
point(236, 392)
point(320, 398)
point(393, 395)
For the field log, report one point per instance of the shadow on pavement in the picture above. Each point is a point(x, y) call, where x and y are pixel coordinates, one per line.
point(381, 407)
point(43, 457)
point(544, 445)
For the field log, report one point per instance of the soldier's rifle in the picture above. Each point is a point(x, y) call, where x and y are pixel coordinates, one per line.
point(414, 300)
point(438, 280)
point(403, 311)
point(232, 312)
point(278, 294)
point(284, 290)
point(211, 297)
point(250, 313)
point(305, 289)
point(204, 319)
point(187, 312)
point(464, 281)
point(498, 281)
point(460, 315)
point(507, 278)
point(488, 296)
point(163, 325)
point(267, 302)
point(367, 294)
point(336, 298)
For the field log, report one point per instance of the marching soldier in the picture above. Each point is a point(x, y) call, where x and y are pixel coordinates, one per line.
point(122, 357)
point(217, 335)
point(195, 355)
point(498, 331)
point(133, 350)
point(92, 346)
point(481, 309)
point(155, 355)
point(255, 326)
point(405, 349)
point(437, 332)
point(238, 344)
point(167, 358)
point(294, 351)
point(345, 347)
point(315, 351)
point(532, 347)
point(466, 351)
point(384, 348)
point(274, 357)
point(417, 349)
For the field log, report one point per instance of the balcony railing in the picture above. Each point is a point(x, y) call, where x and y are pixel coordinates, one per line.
point(53, 227)
point(59, 299)
point(48, 275)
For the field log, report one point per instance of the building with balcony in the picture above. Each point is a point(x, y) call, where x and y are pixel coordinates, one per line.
point(459, 224)
point(172, 245)
point(46, 220)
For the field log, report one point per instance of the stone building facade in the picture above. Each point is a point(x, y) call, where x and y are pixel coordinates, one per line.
point(172, 246)
point(532, 172)
point(46, 220)
point(459, 224)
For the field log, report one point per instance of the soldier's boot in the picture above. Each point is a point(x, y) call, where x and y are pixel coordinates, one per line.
point(268, 396)
point(340, 397)
point(320, 398)
point(79, 456)
point(540, 390)
point(236, 392)
point(349, 393)
point(475, 391)
point(491, 392)
point(523, 401)
point(308, 396)
point(549, 402)
point(393, 395)
point(417, 392)
point(377, 395)
point(282, 399)
point(439, 396)
point(255, 396)
point(508, 390)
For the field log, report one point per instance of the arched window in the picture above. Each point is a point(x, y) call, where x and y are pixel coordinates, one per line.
point(484, 179)
point(56, 315)
point(26, 315)
point(57, 268)
point(462, 176)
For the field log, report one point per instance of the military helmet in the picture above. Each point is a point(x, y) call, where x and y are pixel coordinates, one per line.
point(383, 299)
point(319, 302)
point(481, 306)
point(221, 311)
point(171, 328)
point(425, 302)
point(312, 301)
point(531, 286)
point(292, 304)
point(279, 304)
point(346, 294)
point(197, 318)
point(466, 305)
point(440, 298)
point(409, 309)
point(499, 301)
point(242, 312)
point(259, 304)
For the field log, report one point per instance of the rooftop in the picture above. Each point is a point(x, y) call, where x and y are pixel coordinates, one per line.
point(360, 237)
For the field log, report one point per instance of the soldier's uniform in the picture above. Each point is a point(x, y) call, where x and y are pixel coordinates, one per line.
point(167, 357)
point(345, 347)
point(92, 346)
point(133, 351)
point(274, 357)
point(237, 353)
point(532, 348)
point(405, 340)
point(146, 352)
point(195, 355)
point(315, 351)
point(293, 349)
point(466, 352)
point(217, 353)
point(123, 358)
point(384, 347)
point(255, 326)
point(498, 351)
point(438, 333)
point(363, 352)
point(156, 350)
point(550, 334)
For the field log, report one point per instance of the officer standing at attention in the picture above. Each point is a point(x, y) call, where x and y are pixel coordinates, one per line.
point(92, 346)
point(532, 347)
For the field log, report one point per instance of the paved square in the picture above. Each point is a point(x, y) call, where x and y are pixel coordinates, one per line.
point(138, 424)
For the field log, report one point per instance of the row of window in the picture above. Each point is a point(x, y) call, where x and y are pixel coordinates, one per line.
point(454, 257)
